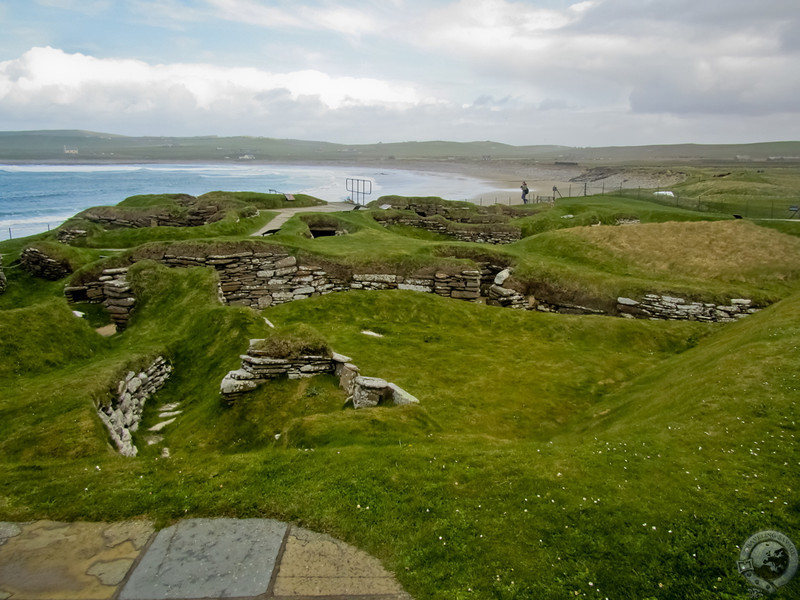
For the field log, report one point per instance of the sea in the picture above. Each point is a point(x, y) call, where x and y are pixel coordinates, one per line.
point(38, 197)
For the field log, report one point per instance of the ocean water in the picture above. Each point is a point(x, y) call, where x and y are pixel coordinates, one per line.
point(35, 198)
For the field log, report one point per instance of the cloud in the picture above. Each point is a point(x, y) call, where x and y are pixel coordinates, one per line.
point(673, 56)
point(50, 75)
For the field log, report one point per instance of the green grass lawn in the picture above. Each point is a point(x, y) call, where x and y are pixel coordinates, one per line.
point(551, 456)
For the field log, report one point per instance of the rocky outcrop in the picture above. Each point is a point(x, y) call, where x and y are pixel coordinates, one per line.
point(654, 306)
point(39, 264)
point(3, 281)
point(258, 367)
point(123, 413)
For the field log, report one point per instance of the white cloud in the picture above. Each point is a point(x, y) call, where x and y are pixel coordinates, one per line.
point(48, 75)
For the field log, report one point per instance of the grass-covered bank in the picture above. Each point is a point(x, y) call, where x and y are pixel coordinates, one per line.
point(543, 444)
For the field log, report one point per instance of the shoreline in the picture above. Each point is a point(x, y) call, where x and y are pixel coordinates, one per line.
point(504, 175)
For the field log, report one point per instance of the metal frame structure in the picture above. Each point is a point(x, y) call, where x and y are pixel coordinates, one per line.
point(359, 188)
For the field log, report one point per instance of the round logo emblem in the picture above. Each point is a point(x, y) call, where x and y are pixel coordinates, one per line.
point(769, 561)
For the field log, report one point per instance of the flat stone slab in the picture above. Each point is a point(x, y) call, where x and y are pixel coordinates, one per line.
point(315, 565)
point(208, 558)
point(196, 559)
point(46, 560)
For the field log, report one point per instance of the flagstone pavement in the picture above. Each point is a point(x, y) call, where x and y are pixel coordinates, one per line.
point(246, 559)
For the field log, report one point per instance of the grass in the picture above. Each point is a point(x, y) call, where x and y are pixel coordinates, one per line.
point(765, 192)
point(551, 456)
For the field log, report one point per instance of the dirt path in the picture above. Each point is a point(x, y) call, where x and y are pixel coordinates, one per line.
point(285, 214)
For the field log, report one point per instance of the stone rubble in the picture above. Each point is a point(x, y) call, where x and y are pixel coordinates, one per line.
point(123, 413)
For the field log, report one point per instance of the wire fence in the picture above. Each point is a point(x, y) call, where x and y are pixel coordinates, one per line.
point(23, 230)
point(747, 208)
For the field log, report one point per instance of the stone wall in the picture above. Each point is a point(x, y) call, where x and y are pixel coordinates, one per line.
point(112, 290)
point(3, 281)
point(193, 214)
point(262, 279)
point(258, 367)
point(484, 234)
point(67, 236)
point(123, 413)
point(38, 264)
point(654, 306)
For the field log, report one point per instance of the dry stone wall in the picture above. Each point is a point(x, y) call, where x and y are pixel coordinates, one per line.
point(123, 413)
point(38, 264)
point(258, 367)
point(191, 214)
point(654, 306)
point(67, 235)
point(486, 234)
point(112, 290)
point(262, 279)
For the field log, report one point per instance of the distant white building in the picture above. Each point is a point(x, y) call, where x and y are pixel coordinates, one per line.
point(70, 149)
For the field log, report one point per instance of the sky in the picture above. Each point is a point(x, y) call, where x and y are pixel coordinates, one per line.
point(566, 72)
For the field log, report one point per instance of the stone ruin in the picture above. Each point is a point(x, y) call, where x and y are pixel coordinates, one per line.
point(3, 281)
point(123, 413)
point(466, 224)
point(259, 367)
point(39, 264)
point(112, 290)
point(654, 306)
point(192, 212)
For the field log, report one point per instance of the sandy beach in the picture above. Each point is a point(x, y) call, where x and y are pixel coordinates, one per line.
point(506, 176)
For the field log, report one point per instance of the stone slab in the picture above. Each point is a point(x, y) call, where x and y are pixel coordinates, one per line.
point(69, 561)
point(208, 558)
point(315, 564)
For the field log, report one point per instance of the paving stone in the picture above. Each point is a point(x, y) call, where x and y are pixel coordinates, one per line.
point(60, 561)
point(315, 564)
point(208, 558)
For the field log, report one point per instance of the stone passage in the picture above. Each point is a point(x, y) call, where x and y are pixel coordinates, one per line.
point(123, 413)
point(258, 367)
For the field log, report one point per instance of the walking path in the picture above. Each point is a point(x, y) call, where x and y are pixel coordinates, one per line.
point(246, 559)
point(284, 214)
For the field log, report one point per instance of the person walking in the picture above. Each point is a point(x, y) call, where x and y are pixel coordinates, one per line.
point(524, 188)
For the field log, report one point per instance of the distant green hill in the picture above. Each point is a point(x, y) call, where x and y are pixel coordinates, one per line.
point(75, 145)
